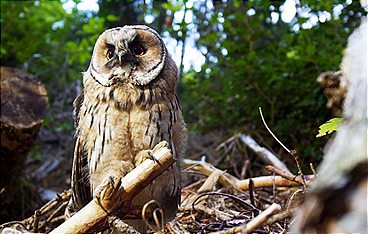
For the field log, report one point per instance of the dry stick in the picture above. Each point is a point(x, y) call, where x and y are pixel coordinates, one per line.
point(312, 168)
point(207, 169)
point(36, 221)
point(264, 153)
point(64, 196)
point(53, 215)
point(254, 223)
point(291, 152)
point(285, 175)
point(228, 180)
point(113, 195)
point(208, 184)
point(223, 144)
point(269, 181)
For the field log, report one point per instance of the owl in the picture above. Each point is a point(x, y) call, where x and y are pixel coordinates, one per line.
point(128, 105)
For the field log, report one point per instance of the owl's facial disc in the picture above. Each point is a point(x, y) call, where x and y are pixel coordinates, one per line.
point(131, 54)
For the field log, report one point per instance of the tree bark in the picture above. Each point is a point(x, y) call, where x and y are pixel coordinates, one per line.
point(24, 102)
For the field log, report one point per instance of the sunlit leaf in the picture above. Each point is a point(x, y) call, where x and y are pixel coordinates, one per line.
point(329, 127)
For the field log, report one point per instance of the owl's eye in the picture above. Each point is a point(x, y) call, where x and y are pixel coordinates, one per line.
point(110, 53)
point(137, 49)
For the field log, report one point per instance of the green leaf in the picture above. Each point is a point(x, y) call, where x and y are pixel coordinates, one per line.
point(112, 18)
point(329, 127)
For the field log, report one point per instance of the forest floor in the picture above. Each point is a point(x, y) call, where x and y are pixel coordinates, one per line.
point(217, 207)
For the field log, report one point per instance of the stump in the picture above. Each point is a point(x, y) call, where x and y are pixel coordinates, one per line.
point(24, 103)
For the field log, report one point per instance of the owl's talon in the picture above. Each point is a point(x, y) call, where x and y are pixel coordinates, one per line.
point(112, 182)
point(150, 156)
point(108, 192)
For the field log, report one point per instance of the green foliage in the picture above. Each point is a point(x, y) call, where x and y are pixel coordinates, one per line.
point(251, 61)
point(43, 39)
point(329, 127)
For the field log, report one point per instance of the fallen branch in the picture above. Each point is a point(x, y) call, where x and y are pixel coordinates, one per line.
point(228, 180)
point(118, 193)
point(269, 181)
point(264, 153)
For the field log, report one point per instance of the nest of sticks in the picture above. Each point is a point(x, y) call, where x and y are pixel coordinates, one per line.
point(213, 201)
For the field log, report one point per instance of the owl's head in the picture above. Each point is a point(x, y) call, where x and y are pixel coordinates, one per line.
point(131, 54)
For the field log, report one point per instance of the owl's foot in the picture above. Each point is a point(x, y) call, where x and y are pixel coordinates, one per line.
point(143, 155)
point(161, 144)
point(108, 194)
point(148, 154)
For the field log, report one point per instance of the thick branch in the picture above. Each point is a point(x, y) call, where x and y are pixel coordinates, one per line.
point(118, 193)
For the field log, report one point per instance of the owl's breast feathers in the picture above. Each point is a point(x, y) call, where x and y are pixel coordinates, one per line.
point(117, 122)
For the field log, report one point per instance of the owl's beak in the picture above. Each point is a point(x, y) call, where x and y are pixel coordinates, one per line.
point(125, 58)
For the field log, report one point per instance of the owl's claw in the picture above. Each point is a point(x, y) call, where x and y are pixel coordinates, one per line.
point(108, 193)
point(111, 182)
point(160, 145)
point(150, 156)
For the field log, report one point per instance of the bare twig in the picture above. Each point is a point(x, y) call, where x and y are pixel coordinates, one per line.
point(291, 152)
point(269, 130)
point(312, 168)
point(284, 174)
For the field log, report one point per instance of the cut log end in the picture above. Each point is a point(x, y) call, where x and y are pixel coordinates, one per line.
point(24, 103)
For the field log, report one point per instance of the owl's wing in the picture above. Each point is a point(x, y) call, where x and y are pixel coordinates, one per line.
point(80, 179)
point(80, 175)
point(77, 105)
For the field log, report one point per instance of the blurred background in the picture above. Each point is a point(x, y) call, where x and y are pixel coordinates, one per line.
point(233, 57)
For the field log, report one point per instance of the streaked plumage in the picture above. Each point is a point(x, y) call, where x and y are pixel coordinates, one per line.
point(128, 105)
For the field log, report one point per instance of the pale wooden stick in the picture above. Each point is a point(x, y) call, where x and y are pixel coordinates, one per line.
point(117, 194)
point(254, 223)
point(261, 218)
point(228, 180)
point(207, 169)
point(264, 153)
point(206, 186)
point(269, 181)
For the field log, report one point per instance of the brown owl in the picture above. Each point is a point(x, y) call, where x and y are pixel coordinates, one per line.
point(128, 105)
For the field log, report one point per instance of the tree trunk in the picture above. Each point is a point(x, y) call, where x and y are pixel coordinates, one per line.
point(23, 105)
